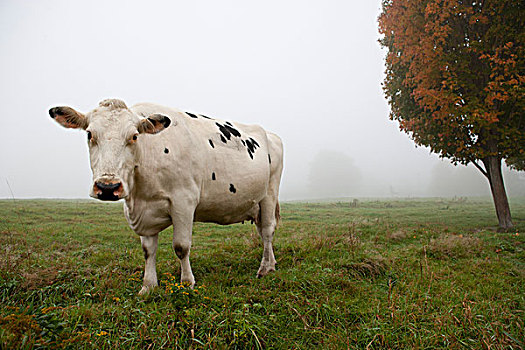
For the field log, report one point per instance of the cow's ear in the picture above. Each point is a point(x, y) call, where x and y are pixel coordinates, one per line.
point(153, 124)
point(68, 117)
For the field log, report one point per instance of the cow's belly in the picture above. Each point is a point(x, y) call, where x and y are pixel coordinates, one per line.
point(224, 215)
point(232, 195)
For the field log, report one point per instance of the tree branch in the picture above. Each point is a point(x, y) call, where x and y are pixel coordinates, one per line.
point(480, 169)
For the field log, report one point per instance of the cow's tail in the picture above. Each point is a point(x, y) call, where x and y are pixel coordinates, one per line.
point(277, 214)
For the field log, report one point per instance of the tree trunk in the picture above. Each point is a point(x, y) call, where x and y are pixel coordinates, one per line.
point(501, 203)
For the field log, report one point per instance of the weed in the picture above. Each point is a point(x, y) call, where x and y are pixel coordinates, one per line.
point(369, 267)
point(455, 247)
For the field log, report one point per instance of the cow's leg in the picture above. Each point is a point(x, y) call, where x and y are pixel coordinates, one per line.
point(266, 224)
point(182, 230)
point(269, 214)
point(149, 246)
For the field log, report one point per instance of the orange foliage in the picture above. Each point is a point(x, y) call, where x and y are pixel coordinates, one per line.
point(455, 73)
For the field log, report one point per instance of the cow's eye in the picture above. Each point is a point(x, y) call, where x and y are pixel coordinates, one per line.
point(134, 137)
point(89, 135)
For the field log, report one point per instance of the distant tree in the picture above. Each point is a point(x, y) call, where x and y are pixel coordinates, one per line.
point(454, 80)
point(447, 180)
point(514, 181)
point(333, 174)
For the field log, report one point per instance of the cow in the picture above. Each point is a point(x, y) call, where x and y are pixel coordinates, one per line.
point(174, 168)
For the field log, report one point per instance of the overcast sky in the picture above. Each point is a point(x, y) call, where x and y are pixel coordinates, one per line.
point(309, 71)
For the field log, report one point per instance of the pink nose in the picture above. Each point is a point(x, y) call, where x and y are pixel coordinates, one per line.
point(108, 191)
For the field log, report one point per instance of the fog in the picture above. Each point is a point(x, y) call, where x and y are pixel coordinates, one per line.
point(309, 71)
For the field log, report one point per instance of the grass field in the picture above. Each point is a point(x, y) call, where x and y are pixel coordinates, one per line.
point(414, 273)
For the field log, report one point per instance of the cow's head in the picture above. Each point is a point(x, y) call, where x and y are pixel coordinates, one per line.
point(113, 133)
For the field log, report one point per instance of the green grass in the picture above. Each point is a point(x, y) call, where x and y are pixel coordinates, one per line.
point(415, 273)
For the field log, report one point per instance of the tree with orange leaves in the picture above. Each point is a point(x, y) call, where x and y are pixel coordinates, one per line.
point(454, 80)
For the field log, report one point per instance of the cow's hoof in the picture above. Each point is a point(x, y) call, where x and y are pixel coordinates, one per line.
point(188, 284)
point(188, 281)
point(146, 290)
point(264, 270)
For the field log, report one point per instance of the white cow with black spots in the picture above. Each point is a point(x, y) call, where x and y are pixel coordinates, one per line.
point(174, 168)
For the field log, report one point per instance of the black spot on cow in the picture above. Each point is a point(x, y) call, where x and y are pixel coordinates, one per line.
point(211, 143)
point(243, 143)
point(191, 115)
point(233, 131)
point(224, 131)
point(250, 148)
point(202, 115)
point(269, 159)
point(213, 176)
point(230, 124)
point(223, 139)
point(166, 150)
point(179, 251)
point(232, 188)
point(249, 144)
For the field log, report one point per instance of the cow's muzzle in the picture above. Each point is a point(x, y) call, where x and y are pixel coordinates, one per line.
point(108, 191)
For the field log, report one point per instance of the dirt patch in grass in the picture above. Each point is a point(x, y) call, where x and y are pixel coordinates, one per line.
point(454, 247)
point(397, 235)
point(40, 278)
